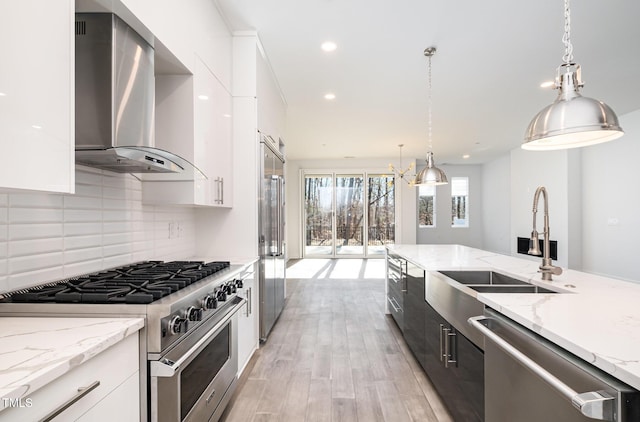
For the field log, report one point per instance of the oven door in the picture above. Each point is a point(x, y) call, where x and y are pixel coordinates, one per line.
point(195, 380)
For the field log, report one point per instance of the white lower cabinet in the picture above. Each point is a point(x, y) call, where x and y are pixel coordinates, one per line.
point(248, 320)
point(115, 398)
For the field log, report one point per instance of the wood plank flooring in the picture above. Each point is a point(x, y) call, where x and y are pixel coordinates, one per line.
point(334, 355)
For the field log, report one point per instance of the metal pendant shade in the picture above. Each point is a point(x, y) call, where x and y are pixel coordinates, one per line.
point(572, 120)
point(431, 175)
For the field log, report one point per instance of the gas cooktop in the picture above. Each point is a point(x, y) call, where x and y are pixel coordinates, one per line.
point(138, 283)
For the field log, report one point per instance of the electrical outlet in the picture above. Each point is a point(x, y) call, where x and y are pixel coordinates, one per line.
point(173, 230)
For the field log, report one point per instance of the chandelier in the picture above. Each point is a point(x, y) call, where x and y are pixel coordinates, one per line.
point(400, 172)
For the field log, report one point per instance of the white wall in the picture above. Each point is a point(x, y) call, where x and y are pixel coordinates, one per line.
point(530, 169)
point(496, 200)
point(46, 237)
point(443, 233)
point(611, 198)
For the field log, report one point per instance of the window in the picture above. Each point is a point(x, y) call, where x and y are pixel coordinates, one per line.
point(427, 206)
point(459, 202)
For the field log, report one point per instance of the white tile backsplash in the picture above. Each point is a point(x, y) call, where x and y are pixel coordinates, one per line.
point(35, 246)
point(47, 237)
point(33, 231)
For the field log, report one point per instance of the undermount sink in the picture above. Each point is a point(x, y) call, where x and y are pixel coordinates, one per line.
point(482, 277)
point(509, 289)
point(493, 282)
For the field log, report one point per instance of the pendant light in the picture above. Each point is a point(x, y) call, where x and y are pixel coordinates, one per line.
point(430, 175)
point(571, 120)
point(400, 172)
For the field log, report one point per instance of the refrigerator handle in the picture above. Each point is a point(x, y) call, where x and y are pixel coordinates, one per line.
point(279, 216)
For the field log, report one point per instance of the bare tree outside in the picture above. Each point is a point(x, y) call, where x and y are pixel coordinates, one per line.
point(357, 205)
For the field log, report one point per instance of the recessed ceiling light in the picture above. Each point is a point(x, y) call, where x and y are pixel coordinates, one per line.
point(330, 96)
point(203, 97)
point(547, 84)
point(36, 126)
point(466, 156)
point(328, 46)
point(2, 94)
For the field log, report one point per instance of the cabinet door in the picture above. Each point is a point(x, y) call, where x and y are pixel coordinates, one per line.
point(37, 95)
point(248, 322)
point(460, 382)
point(212, 136)
point(104, 374)
point(415, 312)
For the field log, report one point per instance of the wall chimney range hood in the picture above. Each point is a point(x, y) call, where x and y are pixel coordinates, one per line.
point(115, 101)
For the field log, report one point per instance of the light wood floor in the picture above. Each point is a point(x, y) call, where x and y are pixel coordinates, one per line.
point(334, 355)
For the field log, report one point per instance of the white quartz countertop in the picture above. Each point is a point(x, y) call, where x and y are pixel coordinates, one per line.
point(36, 351)
point(597, 320)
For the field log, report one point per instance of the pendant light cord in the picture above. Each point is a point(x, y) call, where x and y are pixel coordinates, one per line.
point(566, 39)
point(429, 106)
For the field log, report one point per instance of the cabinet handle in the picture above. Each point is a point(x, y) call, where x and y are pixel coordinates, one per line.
point(250, 301)
point(448, 346)
point(82, 391)
point(452, 353)
point(441, 342)
point(222, 190)
point(445, 356)
point(395, 308)
point(247, 294)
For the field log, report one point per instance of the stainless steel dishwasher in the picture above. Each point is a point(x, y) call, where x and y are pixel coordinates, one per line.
point(528, 378)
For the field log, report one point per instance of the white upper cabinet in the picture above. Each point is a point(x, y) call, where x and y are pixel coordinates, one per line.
point(188, 27)
point(253, 77)
point(193, 120)
point(271, 105)
point(37, 95)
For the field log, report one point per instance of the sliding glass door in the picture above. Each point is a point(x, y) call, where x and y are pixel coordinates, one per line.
point(347, 214)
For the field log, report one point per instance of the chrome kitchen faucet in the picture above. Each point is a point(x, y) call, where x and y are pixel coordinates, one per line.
point(547, 268)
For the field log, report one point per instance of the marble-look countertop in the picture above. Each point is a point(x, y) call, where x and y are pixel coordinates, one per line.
point(35, 351)
point(598, 319)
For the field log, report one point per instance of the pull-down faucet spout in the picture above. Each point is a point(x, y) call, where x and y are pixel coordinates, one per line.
point(547, 268)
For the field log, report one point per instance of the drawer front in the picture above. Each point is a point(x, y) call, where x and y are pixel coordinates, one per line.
point(111, 368)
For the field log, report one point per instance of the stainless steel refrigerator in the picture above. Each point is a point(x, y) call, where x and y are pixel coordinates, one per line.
point(271, 241)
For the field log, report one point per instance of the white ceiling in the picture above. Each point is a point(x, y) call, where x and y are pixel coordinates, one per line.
point(491, 58)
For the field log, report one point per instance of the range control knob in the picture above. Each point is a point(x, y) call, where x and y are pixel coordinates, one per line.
point(222, 295)
point(239, 284)
point(210, 302)
point(177, 325)
point(227, 289)
point(194, 314)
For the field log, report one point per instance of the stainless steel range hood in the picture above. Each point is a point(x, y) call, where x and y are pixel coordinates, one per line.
point(115, 99)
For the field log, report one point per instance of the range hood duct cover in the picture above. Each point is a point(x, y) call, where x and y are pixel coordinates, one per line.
point(115, 100)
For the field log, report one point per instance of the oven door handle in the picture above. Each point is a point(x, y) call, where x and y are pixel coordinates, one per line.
point(591, 404)
point(166, 368)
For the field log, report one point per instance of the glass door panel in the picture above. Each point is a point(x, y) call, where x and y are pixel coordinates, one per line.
point(318, 197)
point(349, 214)
point(381, 216)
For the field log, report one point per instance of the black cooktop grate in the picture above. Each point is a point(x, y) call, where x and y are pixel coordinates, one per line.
point(139, 283)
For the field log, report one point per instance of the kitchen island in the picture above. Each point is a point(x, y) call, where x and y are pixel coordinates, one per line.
point(597, 318)
point(44, 358)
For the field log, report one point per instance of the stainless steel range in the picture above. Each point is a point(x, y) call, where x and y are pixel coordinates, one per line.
point(188, 346)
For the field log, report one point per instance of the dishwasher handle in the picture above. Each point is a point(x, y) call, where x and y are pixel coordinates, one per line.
point(592, 404)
